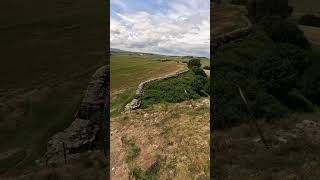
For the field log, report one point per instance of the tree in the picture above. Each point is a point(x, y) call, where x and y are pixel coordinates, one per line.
point(282, 31)
point(195, 62)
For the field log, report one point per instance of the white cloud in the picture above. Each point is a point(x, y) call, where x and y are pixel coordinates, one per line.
point(183, 29)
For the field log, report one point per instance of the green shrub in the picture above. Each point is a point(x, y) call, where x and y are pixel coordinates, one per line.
point(309, 84)
point(206, 67)
point(198, 71)
point(261, 75)
point(282, 31)
point(195, 62)
point(277, 75)
point(297, 57)
point(173, 90)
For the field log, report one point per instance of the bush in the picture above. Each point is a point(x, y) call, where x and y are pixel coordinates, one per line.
point(310, 20)
point(198, 71)
point(277, 75)
point(281, 31)
point(297, 57)
point(206, 67)
point(195, 62)
point(310, 83)
point(260, 74)
point(173, 90)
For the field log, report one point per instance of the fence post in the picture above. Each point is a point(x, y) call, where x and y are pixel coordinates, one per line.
point(253, 119)
point(189, 98)
point(64, 153)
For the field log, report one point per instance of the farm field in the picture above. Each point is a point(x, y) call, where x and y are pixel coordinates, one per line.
point(312, 33)
point(304, 7)
point(44, 72)
point(226, 19)
point(128, 70)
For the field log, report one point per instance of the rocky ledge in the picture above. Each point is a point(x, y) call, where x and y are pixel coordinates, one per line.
point(82, 134)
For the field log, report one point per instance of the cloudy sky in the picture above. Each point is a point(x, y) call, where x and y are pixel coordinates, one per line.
point(173, 27)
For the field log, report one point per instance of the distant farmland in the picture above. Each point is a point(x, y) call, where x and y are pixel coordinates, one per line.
point(127, 70)
point(226, 19)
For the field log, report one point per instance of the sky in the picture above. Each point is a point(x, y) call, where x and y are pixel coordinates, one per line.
point(171, 27)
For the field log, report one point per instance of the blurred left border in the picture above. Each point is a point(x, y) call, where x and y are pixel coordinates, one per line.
point(54, 89)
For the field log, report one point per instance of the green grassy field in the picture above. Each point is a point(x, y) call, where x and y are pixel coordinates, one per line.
point(305, 7)
point(313, 34)
point(301, 8)
point(226, 19)
point(127, 70)
point(45, 68)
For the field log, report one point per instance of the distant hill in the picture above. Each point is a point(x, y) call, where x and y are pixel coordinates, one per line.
point(116, 50)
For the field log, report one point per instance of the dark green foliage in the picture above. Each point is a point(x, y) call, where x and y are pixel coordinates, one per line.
point(310, 81)
point(198, 71)
point(297, 57)
point(265, 71)
point(310, 20)
point(277, 75)
point(195, 62)
point(173, 90)
point(261, 8)
point(297, 101)
point(282, 31)
point(206, 67)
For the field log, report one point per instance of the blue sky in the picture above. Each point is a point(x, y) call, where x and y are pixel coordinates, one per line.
point(173, 27)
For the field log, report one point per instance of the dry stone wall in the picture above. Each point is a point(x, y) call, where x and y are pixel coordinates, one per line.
point(82, 134)
point(233, 35)
point(136, 102)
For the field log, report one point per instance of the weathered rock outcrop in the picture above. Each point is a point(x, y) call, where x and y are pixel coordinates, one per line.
point(79, 137)
point(93, 101)
point(82, 134)
point(136, 102)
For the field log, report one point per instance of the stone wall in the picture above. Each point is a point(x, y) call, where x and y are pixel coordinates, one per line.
point(83, 133)
point(136, 102)
point(233, 35)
